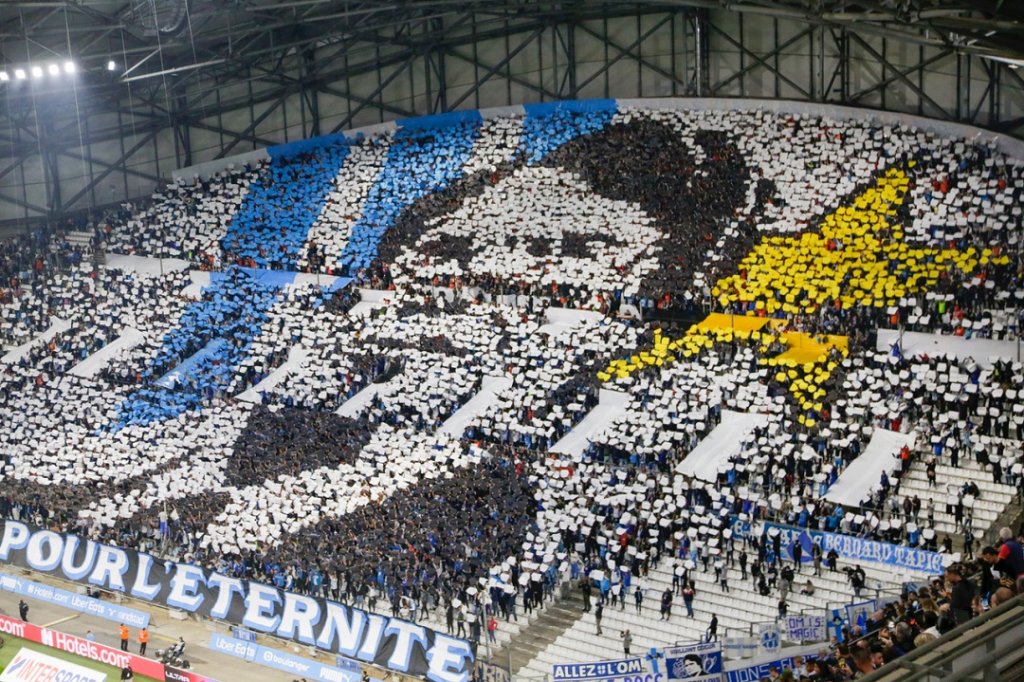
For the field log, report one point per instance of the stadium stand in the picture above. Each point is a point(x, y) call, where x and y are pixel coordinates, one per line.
point(737, 268)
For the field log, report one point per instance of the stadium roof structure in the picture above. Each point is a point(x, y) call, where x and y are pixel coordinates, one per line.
point(152, 85)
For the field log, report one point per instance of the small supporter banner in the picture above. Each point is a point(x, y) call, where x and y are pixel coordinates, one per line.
point(769, 638)
point(806, 628)
point(700, 662)
point(739, 647)
point(859, 613)
point(598, 670)
point(33, 666)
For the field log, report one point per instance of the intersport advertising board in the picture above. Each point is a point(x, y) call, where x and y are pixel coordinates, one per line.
point(33, 666)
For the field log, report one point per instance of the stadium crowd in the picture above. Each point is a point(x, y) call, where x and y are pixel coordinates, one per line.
point(374, 505)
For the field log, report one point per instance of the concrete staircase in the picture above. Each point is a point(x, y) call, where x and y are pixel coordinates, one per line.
point(83, 240)
point(531, 641)
point(738, 611)
point(988, 507)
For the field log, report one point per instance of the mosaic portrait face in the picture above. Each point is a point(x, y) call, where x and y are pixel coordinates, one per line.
point(542, 226)
point(594, 215)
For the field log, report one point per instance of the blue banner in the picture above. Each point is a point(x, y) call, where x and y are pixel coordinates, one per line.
point(700, 662)
point(244, 634)
point(854, 549)
point(754, 672)
point(599, 670)
point(74, 601)
point(859, 613)
point(280, 660)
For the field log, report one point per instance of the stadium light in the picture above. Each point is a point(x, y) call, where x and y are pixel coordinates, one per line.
point(111, 65)
point(36, 71)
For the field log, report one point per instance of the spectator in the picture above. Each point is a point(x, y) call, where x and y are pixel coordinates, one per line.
point(666, 605)
point(711, 634)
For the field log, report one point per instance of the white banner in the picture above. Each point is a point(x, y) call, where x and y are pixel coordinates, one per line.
point(740, 647)
point(32, 666)
point(769, 638)
point(806, 628)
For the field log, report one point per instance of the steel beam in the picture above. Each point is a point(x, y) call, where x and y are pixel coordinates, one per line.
point(763, 60)
point(897, 74)
point(123, 159)
point(760, 61)
point(903, 78)
point(491, 70)
point(377, 91)
point(627, 51)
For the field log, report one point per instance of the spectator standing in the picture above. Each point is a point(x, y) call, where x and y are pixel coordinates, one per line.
point(1011, 552)
point(688, 594)
point(711, 634)
point(666, 604)
point(627, 640)
point(492, 629)
point(961, 595)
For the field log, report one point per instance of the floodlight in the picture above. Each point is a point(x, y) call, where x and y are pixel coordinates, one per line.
point(4, 77)
point(19, 74)
point(69, 67)
point(53, 69)
point(111, 65)
point(37, 72)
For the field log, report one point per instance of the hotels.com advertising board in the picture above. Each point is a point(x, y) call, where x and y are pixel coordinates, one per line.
point(94, 651)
